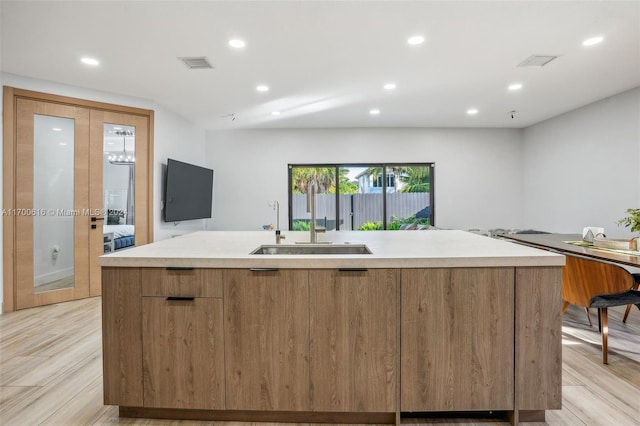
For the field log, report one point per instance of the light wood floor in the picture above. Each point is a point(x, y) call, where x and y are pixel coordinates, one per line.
point(51, 371)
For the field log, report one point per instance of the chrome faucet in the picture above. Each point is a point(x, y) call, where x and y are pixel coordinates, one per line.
point(311, 208)
point(279, 236)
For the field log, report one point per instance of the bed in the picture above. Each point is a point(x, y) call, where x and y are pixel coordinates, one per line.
point(123, 235)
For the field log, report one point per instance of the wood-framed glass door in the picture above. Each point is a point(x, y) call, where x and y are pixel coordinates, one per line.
point(121, 199)
point(57, 197)
point(52, 196)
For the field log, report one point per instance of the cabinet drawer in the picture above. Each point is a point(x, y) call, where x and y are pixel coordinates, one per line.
point(195, 282)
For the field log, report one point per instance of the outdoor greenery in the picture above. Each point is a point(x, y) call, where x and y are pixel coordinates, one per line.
point(301, 225)
point(324, 178)
point(394, 225)
point(335, 179)
point(415, 179)
point(371, 226)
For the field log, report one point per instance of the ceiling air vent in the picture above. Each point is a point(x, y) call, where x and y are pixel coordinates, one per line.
point(536, 61)
point(196, 62)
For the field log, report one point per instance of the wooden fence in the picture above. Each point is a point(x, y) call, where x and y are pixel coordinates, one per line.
point(357, 209)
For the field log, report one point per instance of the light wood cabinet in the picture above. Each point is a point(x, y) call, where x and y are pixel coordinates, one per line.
point(122, 337)
point(331, 345)
point(183, 352)
point(354, 340)
point(538, 338)
point(177, 282)
point(183, 339)
point(159, 352)
point(457, 339)
point(267, 339)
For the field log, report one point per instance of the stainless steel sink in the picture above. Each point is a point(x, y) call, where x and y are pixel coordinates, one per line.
point(310, 249)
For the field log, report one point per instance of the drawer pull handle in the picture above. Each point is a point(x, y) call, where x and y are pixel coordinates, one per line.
point(188, 299)
point(178, 268)
point(264, 269)
point(353, 269)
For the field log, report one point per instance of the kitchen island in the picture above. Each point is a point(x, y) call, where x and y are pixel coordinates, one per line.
point(196, 327)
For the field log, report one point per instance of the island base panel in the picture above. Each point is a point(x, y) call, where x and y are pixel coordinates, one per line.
point(514, 417)
point(259, 416)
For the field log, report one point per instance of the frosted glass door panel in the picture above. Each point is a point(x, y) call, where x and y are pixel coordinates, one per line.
point(53, 203)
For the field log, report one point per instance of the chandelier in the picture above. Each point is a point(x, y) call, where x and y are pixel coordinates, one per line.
point(126, 158)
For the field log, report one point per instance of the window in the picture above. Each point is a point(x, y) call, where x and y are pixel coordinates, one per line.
point(389, 183)
point(356, 197)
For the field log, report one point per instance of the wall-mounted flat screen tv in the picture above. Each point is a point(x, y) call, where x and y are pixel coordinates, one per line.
point(188, 192)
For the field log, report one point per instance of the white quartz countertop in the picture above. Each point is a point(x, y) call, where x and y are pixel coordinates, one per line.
point(390, 249)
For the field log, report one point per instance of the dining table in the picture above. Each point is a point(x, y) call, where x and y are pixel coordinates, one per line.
point(589, 270)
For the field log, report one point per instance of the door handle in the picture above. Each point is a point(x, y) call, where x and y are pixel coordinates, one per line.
point(95, 219)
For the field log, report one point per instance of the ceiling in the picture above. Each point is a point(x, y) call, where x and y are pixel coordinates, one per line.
point(326, 62)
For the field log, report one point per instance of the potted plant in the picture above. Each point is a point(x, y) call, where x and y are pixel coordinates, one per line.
point(632, 221)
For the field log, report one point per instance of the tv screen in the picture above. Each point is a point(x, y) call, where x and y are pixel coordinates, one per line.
point(188, 192)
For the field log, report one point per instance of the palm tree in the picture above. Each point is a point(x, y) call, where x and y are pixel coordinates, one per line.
point(346, 186)
point(301, 177)
point(415, 179)
point(323, 177)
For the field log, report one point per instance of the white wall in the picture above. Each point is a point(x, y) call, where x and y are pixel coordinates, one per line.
point(477, 171)
point(183, 142)
point(173, 137)
point(582, 168)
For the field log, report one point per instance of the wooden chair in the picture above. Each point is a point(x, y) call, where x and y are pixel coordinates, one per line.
point(583, 278)
point(636, 285)
point(593, 284)
point(604, 301)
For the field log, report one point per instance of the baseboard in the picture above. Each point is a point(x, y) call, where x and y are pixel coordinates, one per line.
point(52, 276)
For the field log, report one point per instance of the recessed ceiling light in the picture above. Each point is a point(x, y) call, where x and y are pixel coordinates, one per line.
point(390, 86)
point(56, 129)
point(90, 61)
point(262, 88)
point(374, 111)
point(515, 86)
point(275, 112)
point(593, 40)
point(414, 40)
point(237, 43)
point(472, 111)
